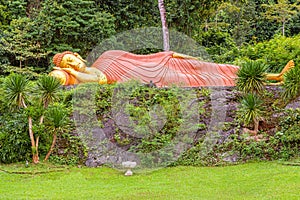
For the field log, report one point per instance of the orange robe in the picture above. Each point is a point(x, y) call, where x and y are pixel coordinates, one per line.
point(164, 70)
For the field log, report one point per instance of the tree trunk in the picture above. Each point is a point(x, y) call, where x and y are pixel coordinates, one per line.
point(283, 28)
point(52, 146)
point(165, 30)
point(206, 26)
point(34, 145)
point(41, 119)
point(256, 124)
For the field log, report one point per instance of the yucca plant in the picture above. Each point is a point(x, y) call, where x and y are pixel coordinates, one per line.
point(56, 118)
point(291, 84)
point(17, 87)
point(48, 87)
point(251, 77)
point(17, 90)
point(251, 111)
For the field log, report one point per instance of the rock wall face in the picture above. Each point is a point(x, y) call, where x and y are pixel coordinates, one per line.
point(211, 109)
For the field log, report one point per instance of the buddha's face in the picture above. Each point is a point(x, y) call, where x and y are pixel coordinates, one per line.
point(73, 61)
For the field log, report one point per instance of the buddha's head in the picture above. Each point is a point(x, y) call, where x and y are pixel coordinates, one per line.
point(69, 59)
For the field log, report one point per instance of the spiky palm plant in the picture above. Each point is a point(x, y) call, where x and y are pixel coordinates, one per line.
point(16, 87)
point(56, 116)
point(291, 84)
point(251, 110)
point(251, 77)
point(48, 87)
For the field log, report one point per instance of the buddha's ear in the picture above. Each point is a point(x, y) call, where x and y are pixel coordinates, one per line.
point(78, 56)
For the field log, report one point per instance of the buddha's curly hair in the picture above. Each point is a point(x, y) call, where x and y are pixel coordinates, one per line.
point(59, 56)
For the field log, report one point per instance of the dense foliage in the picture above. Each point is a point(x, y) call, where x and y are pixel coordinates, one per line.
point(14, 140)
point(23, 100)
point(240, 32)
point(56, 26)
point(33, 31)
point(282, 144)
point(251, 77)
point(292, 84)
point(274, 53)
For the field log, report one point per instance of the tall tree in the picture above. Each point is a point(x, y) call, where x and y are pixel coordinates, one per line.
point(11, 10)
point(76, 25)
point(132, 14)
point(188, 16)
point(282, 12)
point(236, 17)
point(165, 30)
point(20, 43)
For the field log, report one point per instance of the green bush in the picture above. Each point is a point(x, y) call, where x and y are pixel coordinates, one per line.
point(217, 44)
point(251, 77)
point(251, 109)
point(283, 145)
point(140, 100)
point(275, 53)
point(69, 150)
point(14, 139)
point(289, 133)
point(155, 117)
point(291, 84)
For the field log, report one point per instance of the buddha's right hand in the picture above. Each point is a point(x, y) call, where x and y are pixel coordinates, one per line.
point(71, 71)
point(68, 70)
point(58, 68)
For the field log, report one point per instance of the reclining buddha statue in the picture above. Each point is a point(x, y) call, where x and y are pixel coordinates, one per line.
point(162, 69)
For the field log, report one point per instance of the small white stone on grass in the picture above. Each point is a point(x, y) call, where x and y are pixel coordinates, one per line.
point(128, 165)
point(128, 173)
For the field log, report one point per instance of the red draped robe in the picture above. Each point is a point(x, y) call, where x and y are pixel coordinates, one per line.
point(164, 70)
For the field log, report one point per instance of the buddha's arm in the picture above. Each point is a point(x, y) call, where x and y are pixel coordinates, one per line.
point(183, 56)
point(87, 77)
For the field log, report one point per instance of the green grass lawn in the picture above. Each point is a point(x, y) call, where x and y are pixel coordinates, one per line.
point(267, 180)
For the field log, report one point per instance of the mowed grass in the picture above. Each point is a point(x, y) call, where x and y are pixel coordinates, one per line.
point(247, 181)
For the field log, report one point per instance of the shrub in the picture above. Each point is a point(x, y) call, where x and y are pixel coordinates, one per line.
point(251, 77)
point(217, 44)
point(289, 125)
point(250, 109)
point(14, 138)
point(69, 150)
point(291, 84)
point(275, 52)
